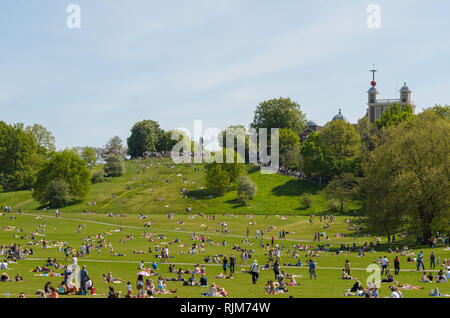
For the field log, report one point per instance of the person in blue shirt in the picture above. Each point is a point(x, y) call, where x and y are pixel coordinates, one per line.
point(154, 266)
point(420, 261)
point(312, 269)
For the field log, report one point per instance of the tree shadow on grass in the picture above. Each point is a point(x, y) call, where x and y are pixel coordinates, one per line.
point(202, 194)
point(253, 169)
point(295, 188)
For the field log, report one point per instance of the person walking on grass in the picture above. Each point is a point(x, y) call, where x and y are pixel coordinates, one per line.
point(232, 263)
point(225, 264)
point(254, 271)
point(276, 268)
point(312, 269)
point(384, 264)
point(420, 261)
point(396, 265)
point(432, 261)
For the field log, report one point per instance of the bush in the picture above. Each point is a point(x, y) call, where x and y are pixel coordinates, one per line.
point(58, 194)
point(246, 189)
point(114, 166)
point(98, 177)
point(334, 206)
point(306, 200)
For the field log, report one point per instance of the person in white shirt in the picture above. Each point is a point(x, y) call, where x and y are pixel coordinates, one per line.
point(4, 265)
point(395, 293)
point(384, 264)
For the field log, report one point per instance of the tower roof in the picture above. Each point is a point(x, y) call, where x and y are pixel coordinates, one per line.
point(404, 88)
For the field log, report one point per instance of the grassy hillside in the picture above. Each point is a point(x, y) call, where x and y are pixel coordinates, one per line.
point(139, 192)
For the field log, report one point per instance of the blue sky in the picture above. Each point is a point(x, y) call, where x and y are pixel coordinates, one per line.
point(213, 60)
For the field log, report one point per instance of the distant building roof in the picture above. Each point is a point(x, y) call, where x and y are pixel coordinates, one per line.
point(339, 117)
point(313, 123)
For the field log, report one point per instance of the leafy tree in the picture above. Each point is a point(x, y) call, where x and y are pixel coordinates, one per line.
point(114, 166)
point(217, 180)
point(44, 139)
point(66, 166)
point(315, 156)
point(288, 140)
point(333, 151)
point(441, 111)
point(408, 176)
point(145, 137)
point(395, 115)
point(292, 158)
point(19, 160)
point(306, 200)
point(246, 189)
point(114, 146)
point(279, 113)
point(89, 155)
point(341, 189)
point(58, 194)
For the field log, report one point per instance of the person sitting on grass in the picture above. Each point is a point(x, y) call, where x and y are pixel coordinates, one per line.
point(203, 281)
point(436, 293)
point(281, 284)
point(108, 278)
point(62, 288)
point(271, 287)
point(424, 278)
point(53, 293)
point(292, 281)
point(356, 290)
point(161, 285)
point(440, 277)
point(345, 275)
point(389, 279)
point(20, 278)
point(212, 291)
point(112, 293)
point(4, 277)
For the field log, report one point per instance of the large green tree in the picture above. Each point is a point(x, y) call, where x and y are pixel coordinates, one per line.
point(65, 167)
point(89, 155)
point(19, 159)
point(279, 113)
point(44, 139)
point(145, 137)
point(407, 177)
point(394, 115)
point(335, 150)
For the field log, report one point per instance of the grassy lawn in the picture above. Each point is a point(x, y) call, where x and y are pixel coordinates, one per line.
point(328, 283)
point(138, 192)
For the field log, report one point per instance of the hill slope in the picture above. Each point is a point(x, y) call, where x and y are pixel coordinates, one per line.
point(142, 192)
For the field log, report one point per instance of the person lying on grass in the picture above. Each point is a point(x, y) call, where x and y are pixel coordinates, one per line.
point(410, 287)
point(222, 276)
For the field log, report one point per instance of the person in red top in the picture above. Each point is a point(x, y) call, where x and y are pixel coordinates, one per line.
point(397, 265)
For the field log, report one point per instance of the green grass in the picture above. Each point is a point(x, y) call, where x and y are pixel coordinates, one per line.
point(328, 283)
point(276, 194)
